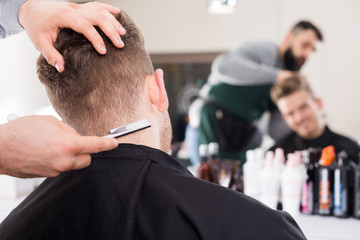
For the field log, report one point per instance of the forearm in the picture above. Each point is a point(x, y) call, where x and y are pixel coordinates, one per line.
point(246, 72)
point(2, 149)
point(9, 22)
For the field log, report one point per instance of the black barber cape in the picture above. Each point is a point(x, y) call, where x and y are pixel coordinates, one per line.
point(293, 142)
point(136, 192)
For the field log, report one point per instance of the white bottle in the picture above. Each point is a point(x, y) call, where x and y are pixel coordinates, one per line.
point(252, 170)
point(291, 184)
point(298, 156)
point(259, 155)
point(279, 164)
point(269, 182)
point(279, 159)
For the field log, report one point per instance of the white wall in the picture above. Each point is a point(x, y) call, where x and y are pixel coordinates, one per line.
point(20, 90)
point(186, 26)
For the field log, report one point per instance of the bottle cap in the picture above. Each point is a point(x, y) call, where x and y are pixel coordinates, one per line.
point(259, 155)
point(305, 156)
point(213, 148)
point(203, 150)
point(279, 156)
point(342, 157)
point(290, 156)
point(314, 155)
point(250, 155)
point(327, 156)
point(291, 161)
point(298, 157)
point(269, 159)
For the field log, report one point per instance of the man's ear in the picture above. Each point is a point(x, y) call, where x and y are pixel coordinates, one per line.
point(319, 103)
point(288, 39)
point(157, 91)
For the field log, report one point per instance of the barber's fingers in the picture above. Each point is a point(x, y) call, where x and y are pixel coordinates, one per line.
point(102, 16)
point(90, 144)
point(78, 145)
point(106, 17)
point(111, 31)
point(110, 8)
point(82, 25)
point(65, 163)
point(80, 162)
point(86, 144)
point(93, 14)
point(46, 46)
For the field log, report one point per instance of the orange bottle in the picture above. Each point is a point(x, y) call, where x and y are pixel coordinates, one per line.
point(325, 180)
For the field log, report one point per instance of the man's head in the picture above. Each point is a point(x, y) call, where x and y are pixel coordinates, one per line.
point(97, 92)
point(300, 109)
point(300, 42)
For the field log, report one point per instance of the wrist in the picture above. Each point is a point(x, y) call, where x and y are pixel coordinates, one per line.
point(22, 12)
point(2, 149)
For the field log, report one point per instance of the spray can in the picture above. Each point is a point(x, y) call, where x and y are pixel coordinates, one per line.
point(314, 159)
point(357, 190)
point(341, 189)
point(326, 180)
point(307, 198)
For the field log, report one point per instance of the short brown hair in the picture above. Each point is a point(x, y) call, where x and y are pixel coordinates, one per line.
point(96, 92)
point(288, 86)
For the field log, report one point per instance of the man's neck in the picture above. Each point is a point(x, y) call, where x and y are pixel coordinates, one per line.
point(147, 137)
point(320, 131)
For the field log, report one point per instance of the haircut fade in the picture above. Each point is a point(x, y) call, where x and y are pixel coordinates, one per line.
point(95, 88)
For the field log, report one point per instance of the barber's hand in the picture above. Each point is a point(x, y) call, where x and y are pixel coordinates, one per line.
point(283, 74)
point(42, 146)
point(42, 21)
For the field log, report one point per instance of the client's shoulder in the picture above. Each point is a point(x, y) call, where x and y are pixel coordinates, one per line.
point(342, 138)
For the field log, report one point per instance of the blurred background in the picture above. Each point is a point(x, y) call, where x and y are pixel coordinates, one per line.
point(183, 37)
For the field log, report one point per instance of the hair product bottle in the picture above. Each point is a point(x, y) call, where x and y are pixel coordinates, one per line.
point(357, 191)
point(269, 182)
point(291, 184)
point(279, 164)
point(307, 198)
point(341, 189)
point(326, 180)
point(214, 162)
point(259, 155)
point(252, 169)
point(204, 170)
point(237, 183)
point(314, 158)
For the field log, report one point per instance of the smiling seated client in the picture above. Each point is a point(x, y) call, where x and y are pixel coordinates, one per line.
point(136, 191)
point(303, 113)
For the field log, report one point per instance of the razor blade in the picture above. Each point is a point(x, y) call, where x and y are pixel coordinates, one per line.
point(128, 128)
